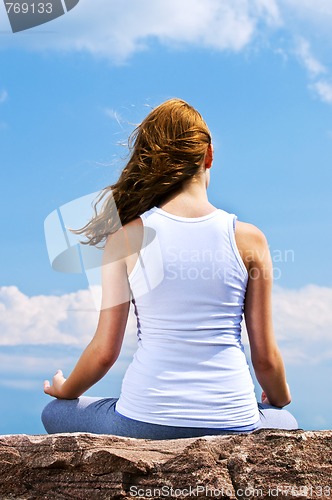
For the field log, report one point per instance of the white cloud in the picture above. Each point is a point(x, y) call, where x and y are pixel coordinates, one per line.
point(69, 319)
point(311, 19)
point(324, 90)
point(303, 315)
point(315, 69)
point(312, 65)
point(303, 324)
point(119, 28)
point(302, 320)
point(3, 95)
point(312, 10)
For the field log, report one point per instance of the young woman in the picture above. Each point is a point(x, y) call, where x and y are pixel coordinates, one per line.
point(191, 270)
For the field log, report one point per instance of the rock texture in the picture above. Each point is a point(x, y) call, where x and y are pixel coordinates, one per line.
point(263, 464)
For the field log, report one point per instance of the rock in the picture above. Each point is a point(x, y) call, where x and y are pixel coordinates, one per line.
point(262, 464)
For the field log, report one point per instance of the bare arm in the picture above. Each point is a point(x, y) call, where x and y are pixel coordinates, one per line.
point(104, 348)
point(266, 358)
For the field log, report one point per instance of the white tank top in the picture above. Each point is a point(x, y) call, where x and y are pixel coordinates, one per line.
point(188, 289)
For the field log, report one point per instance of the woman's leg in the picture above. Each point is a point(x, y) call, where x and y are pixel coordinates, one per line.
point(275, 418)
point(85, 414)
point(99, 416)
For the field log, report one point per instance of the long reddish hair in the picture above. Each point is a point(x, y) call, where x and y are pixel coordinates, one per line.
point(167, 149)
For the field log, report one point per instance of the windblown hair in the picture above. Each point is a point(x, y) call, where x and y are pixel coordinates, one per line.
point(167, 149)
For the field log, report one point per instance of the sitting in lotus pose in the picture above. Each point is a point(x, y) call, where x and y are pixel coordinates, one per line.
point(192, 271)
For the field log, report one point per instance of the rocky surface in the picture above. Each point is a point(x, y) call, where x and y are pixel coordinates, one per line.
point(263, 464)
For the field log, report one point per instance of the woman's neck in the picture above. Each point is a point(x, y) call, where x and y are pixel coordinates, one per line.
point(191, 201)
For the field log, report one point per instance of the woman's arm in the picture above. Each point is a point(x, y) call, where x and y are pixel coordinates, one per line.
point(266, 358)
point(104, 349)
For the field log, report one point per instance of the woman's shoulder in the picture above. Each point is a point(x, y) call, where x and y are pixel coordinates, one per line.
point(251, 242)
point(125, 241)
point(249, 232)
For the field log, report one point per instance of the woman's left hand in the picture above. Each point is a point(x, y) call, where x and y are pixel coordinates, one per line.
point(55, 389)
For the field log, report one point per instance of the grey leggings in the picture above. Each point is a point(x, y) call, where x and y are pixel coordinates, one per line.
point(99, 416)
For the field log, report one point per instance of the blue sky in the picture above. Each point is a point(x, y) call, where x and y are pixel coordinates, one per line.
point(260, 72)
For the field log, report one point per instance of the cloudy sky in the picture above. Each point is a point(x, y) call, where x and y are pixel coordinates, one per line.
point(260, 72)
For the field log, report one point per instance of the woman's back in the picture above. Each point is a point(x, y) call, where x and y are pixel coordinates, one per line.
point(189, 287)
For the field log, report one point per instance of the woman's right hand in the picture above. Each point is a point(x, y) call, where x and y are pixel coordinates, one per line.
point(264, 399)
point(265, 354)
